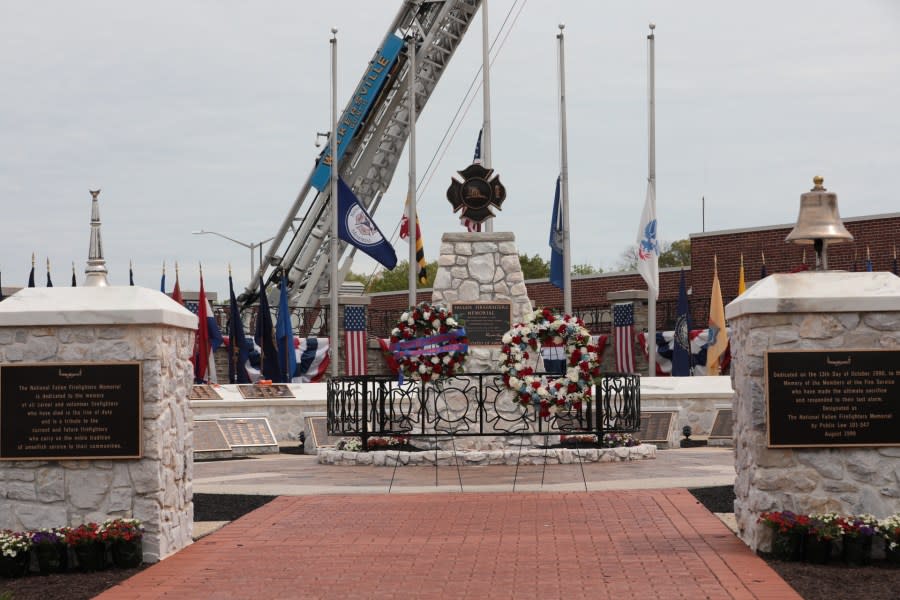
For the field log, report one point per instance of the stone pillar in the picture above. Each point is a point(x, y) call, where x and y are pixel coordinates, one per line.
point(481, 267)
point(638, 299)
point(808, 311)
point(92, 326)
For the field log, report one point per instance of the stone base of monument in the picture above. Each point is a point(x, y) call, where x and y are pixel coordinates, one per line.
point(507, 456)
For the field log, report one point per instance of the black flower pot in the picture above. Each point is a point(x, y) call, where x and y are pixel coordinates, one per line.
point(15, 566)
point(127, 554)
point(857, 551)
point(48, 560)
point(787, 546)
point(817, 552)
point(90, 556)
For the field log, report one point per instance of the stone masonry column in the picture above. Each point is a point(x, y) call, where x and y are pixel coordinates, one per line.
point(92, 327)
point(818, 311)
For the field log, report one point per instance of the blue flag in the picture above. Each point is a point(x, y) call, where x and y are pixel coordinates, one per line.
point(239, 347)
point(284, 335)
point(356, 227)
point(556, 242)
point(681, 353)
point(265, 338)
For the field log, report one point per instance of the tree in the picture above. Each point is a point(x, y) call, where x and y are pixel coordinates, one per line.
point(674, 254)
point(534, 267)
point(394, 280)
point(585, 269)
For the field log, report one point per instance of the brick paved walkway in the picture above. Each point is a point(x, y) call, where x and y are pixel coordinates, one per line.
point(621, 544)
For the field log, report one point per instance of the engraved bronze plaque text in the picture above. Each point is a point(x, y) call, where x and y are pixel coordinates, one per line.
point(255, 391)
point(655, 426)
point(208, 437)
point(203, 392)
point(247, 432)
point(833, 398)
point(485, 322)
point(70, 411)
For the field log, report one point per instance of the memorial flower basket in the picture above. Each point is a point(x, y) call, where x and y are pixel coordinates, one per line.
point(14, 553)
point(88, 548)
point(889, 529)
point(857, 533)
point(125, 539)
point(619, 440)
point(45, 545)
point(788, 533)
point(823, 530)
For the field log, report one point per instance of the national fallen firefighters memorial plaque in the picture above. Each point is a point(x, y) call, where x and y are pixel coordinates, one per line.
point(70, 411)
point(833, 398)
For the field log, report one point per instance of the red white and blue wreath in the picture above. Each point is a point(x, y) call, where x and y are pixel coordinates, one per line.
point(428, 343)
point(521, 348)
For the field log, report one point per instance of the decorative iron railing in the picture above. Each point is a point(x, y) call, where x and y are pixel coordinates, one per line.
point(474, 404)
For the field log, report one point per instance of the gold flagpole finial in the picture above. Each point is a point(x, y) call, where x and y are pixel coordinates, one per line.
point(742, 260)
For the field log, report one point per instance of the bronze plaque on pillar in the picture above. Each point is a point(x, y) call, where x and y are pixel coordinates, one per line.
point(833, 398)
point(485, 322)
point(65, 411)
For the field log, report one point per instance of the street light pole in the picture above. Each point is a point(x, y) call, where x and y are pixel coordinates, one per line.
point(251, 246)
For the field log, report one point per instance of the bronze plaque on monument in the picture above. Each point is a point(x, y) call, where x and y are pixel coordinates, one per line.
point(203, 392)
point(66, 411)
point(655, 426)
point(255, 391)
point(247, 432)
point(822, 398)
point(208, 437)
point(485, 322)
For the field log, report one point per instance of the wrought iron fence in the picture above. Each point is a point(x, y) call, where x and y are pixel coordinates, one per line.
point(474, 404)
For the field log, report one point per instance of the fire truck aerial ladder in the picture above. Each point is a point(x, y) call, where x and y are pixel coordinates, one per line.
point(373, 129)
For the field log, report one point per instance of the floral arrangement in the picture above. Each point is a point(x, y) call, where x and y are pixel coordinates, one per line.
point(12, 543)
point(889, 529)
point(381, 443)
point(785, 521)
point(858, 526)
point(578, 439)
point(352, 444)
point(549, 394)
point(83, 534)
point(619, 440)
point(47, 537)
point(428, 343)
point(121, 529)
point(824, 526)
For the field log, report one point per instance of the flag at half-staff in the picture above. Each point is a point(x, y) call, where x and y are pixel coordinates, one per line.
point(357, 228)
point(420, 245)
point(556, 241)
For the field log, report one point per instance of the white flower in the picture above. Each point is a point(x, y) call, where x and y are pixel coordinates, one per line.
point(506, 339)
point(514, 382)
point(423, 369)
point(572, 374)
point(557, 339)
point(395, 332)
point(436, 323)
point(518, 366)
point(435, 360)
point(446, 360)
point(410, 321)
point(451, 322)
point(426, 315)
point(404, 316)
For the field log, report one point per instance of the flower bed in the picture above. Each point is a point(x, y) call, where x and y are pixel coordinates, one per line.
point(90, 545)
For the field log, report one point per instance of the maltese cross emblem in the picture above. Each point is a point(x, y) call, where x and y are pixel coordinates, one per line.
point(479, 189)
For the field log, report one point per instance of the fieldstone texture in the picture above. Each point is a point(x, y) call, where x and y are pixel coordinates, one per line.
point(845, 480)
point(156, 489)
point(481, 267)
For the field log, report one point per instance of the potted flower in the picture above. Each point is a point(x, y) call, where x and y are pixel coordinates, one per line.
point(788, 533)
point(89, 549)
point(889, 529)
point(857, 533)
point(823, 530)
point(619, 440)
point(45, 544)
point(125, 538)
point(14, 553)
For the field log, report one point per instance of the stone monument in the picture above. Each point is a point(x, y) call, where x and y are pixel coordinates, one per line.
point(816, 374)
point(94, 415)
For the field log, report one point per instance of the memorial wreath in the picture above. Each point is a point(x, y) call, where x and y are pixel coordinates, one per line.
point(428, 343)
point(549, 394)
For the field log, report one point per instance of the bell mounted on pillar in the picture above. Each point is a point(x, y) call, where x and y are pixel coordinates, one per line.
point(819, 222)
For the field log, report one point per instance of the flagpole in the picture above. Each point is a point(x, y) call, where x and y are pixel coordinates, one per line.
point(651, 181)
point(486, 98)
point(564, 176)
point(333, 321)
point(411, 194)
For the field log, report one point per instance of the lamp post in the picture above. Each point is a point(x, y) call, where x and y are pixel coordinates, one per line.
point(251, 246)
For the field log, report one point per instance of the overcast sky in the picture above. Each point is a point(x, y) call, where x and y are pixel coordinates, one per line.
point(198, 114)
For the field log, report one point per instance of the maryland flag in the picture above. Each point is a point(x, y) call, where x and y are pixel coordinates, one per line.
point(420, 244)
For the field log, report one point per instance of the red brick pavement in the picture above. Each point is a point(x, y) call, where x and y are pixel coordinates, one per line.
point(622, 544)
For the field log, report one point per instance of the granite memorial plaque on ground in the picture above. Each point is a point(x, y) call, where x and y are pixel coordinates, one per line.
point(485, 322)
point(70, 411)
point(209, 437)
point(247, 431)
point(258, 391)
point(833, 398)
point(723, 427)
point(655, 426)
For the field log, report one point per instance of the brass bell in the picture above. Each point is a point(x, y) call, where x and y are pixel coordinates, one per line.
point(819, 222)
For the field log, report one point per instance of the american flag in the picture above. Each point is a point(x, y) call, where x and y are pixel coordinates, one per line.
point(355, 339)
point(623, 322)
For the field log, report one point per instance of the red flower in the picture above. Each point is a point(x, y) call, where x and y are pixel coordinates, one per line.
point(535, 384)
